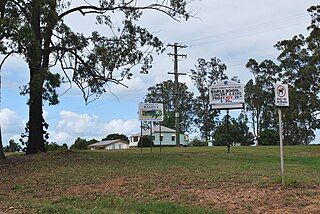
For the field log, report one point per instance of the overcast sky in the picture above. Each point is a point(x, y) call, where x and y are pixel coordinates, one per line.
point(231, 30)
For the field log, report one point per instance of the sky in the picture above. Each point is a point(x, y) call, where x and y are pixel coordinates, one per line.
point(232, 31)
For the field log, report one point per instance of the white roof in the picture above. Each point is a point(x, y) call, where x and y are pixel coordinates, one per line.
point(106, 143)
point(156, 129)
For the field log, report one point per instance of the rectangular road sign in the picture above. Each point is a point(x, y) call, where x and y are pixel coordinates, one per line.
point(151, 112)
point(226, 94)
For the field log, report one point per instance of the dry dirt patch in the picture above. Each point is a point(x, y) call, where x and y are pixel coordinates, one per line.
point(232, 198)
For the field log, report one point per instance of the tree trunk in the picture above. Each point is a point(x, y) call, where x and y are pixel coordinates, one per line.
point(2, 156)
point(35, 140)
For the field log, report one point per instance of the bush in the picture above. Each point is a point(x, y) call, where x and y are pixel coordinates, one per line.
point(79, 144)
point(54, 146)
point(197, 142)
point(146, 141)
point(268, 137)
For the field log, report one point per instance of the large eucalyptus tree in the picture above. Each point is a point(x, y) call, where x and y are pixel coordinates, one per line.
point(37, 31)
point(204, 75)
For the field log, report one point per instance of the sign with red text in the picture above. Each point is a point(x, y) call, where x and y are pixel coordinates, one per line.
point(226, 94)
point(281, 95)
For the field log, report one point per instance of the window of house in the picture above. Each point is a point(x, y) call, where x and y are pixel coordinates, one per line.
point(173, 138)
point(113, 146)
point(119, 146)
point(153, 138)
point(161, 138)
point(135, 139)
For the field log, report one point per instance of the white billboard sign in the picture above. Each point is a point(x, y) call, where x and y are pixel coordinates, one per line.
point(226, 94)
point(281, 95)
point(151, 112)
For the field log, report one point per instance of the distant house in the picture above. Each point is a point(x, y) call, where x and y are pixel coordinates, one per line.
point(167, 137)
point(109, 144)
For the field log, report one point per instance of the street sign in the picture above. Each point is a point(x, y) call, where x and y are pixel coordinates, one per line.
point(151, 112)
point(281, 99)
point(281, 95)
point(226, 94)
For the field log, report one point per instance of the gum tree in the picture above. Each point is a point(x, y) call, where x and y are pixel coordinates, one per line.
point(37, 31)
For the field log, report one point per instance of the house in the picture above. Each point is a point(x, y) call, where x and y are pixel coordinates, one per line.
point(167, 137)
point(109, 144)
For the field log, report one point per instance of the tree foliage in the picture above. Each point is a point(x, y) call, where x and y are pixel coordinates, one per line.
point(299, 67)
point(259, 94)
point(268, 137)
point(37, 31)
point(205, 74)
point(146, 141)
point(12, 147)
point(164, 93)
point(79, 144)
point(54, 146)
point(116, 137)
point(198, 142)
point(238, 132)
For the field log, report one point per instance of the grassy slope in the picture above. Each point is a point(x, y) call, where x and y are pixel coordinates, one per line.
point(130, 182)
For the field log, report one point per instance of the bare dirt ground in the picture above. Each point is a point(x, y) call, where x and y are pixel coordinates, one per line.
point(229, 197)
point(232, 199)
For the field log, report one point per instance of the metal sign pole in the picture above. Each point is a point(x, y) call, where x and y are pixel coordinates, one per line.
point(228, 133)
point(160, 135)
point(141, 136)
point(151, 135)
point(281, 145)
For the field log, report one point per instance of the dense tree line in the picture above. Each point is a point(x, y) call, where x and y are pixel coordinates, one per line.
point(298, 66)
point(36, 31)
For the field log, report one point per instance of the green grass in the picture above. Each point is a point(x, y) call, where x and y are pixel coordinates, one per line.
point(129, 181)
point(107, 205)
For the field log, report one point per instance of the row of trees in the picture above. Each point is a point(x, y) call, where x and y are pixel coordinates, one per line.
point(298, 65)
point(79, 144)
point(36, 30)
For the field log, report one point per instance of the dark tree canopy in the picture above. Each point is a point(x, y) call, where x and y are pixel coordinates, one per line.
point(37, 31)
point(238, 132)
point(79, 144)
point(205, 74)
point(164, 93)
point(116, 137)
point(299, 67)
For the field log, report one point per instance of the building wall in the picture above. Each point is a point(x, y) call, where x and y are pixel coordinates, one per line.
point(168, 139)
point(118, 145)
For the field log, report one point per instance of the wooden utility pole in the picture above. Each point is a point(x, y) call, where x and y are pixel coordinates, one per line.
point(176, 87)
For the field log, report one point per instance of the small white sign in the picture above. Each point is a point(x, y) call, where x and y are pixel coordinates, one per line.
point(281, 95)
point(151, 112)
point(226, 94)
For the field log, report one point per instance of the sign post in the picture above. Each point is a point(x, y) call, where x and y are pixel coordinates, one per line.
point(152, 112)
point(281, 100)
point(226, 95)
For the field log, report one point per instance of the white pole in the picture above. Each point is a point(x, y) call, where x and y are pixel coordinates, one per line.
point(281, 145)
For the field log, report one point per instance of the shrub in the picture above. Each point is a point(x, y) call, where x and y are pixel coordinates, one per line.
point(146, 141)
point(197, 142)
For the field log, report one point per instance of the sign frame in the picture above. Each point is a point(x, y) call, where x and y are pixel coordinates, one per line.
point(151, 112)
point(226, 94)
point(281, 95)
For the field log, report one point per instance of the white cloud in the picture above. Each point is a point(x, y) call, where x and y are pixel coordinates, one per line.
point(122, 126)
point(11, 125)
point(77, 123)
point(73, 125)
